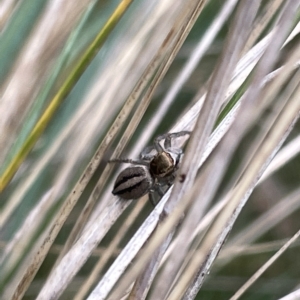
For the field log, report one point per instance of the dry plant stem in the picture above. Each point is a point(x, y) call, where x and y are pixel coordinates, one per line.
point(113, 272)
point(141, 287)
point(55, 226)
point(127, 134)
point(189, 118)
point(143, 282)
point(284, 208)
point(261, 24)
point(214, 138)
point(217, 208)
point(240, 195)
point(99, 251)
point(17, 244)
point(281, 209)
point(236, 38)
point(292, 296)
point(62, 93)
point(92, 234)
point(130, 251)
point(90, 242)
point(110, 250)
point(260, 248)
point(264, 223)
point(151, 246)
point(15, 200)
point(224, 152)
point(186, 71)
point(119, 121)
point(287, 153)
point(6, 9)
point(17, 93)
point(210, 216)
point(260, 271)
point(178, 42)
point(211, 106)
point(11, 258)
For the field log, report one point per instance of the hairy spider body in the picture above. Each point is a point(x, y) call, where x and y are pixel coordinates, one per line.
point(163, 164)
point(133, 183)
point(152, 171)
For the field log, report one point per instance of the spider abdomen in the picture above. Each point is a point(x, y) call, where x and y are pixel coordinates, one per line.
point(133, 183)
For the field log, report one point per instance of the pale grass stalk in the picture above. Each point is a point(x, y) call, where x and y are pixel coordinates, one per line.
point(262, 21)
point(135, 121)
point(217, 233)
point(207, 218)
point(214, 140)
point(125, 258)
point(173, 42)
point(117, 125)
point(282, 209)
point(186, 72)
point(293, 34)
point(144, 280)
point(6, 9)
point(261, 270)
point(225, 221)
point(122, 61)
point(93, 126)
point(17, 93)
point(148, 250)
point(287, 153)
point(24, 234)
point(129, 130)
point(72, 271)
point(147, 97)
point(295, 295)
point(259, 248)
point(263, 224)
point(237, 36)
point(211, 106)
point(99, 251)
point(110, 250)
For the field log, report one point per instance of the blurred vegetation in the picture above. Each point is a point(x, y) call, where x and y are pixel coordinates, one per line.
point(17, 27)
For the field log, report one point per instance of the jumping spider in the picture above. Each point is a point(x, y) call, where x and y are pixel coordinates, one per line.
point(152, 171)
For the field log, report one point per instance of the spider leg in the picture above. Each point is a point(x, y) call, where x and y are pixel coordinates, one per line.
point(129, 161)
point(170, 136)
point(168, 139)
point(156, 188)
point(147, 154)
point(152, 199)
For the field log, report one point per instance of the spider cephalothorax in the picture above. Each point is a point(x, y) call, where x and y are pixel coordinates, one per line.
point(152, 171)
